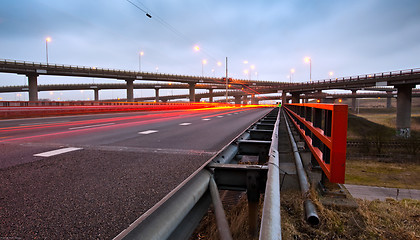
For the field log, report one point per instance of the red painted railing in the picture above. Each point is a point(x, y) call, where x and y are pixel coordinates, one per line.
point(324, 128)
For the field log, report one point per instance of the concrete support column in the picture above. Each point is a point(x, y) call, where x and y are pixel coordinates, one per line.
point(245, 99)
point(130, 90)
point(353, 100)
point(192, 91)
point(283, 98)
point(388, 99)
point(254, 100)
point(157, 94)
point(305, 100)
point(33, 87)
point(404, 93)
point(96, 93)
point(238, 100)
point(295, 97)
point(211, 95)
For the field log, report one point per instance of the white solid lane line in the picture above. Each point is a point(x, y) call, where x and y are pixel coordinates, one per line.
point(92, 126)
point(56, 152)
point(206, 119)
point(184, 124)
point(148, 132)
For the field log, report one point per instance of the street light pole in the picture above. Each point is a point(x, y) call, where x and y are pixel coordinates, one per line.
point(308, 59)
point(227, 80)
point(48, 39)
point(140, 54)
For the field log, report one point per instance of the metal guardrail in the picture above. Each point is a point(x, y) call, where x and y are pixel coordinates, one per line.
point(324, 129)
point(177, 214)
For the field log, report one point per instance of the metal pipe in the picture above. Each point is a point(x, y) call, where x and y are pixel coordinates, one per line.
point(310, 210)
point(222, 223)
point(271, 218)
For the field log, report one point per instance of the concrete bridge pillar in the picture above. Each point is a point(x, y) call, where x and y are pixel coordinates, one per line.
point(192, 91)
point(96, 93)
point(33, 87)
point(404, 93)
point(211, 95)
point(353, 100)
point(295, 97)
point(254, 100)
point(238, 100)
point(283, 98)
point(130, 90)
point(245, 99)
point(388, 99)
point(157, 94)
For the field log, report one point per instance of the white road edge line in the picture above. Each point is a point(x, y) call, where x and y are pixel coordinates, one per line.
point(56, 152)
point(206, 119)
point(92, 126)
point(148, 132)
point(185, 124)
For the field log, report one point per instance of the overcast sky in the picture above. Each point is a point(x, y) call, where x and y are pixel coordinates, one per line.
point(346, 37)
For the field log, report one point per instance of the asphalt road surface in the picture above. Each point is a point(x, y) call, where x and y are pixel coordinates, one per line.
point(90, 176)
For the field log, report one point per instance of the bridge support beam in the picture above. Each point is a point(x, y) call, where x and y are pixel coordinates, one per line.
point(96, 93)
point(404, 93)
point(157, 94)
point(388, 99)
point(130, 90)
point(192, 91)
point(283, 98)
point(295, 97)
point(211, 95)
point(353, 101)
point(254, 100)
point(238, 100)
point(245, 99)
point(33, 87)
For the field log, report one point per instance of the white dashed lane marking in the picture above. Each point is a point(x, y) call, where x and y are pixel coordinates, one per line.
point(148, 132)
point(206, 119)
point(219, 116)
point(185, 124)
point(92, 126)
point(56, 152)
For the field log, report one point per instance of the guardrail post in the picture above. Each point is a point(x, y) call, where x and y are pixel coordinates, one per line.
point(253, 195)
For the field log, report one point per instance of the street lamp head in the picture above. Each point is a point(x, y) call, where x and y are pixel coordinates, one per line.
point(196, 48)
point(219, 63)
point(245, 62)
point(48, 39)
point(252, 67)
point(292, 70)
point(330, 73)
point(141, 53)
point(204, 61)
point(307, 59)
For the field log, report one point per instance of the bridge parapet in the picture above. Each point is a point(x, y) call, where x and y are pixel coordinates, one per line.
point(324, 129)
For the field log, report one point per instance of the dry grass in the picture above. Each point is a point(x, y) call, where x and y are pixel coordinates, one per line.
point(383, 174)
point(390, 219)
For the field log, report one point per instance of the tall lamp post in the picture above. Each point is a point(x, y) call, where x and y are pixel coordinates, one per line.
point(140, 54)
point(47, 40)
point(291, 74)
point(202, 67)
point(309, 60)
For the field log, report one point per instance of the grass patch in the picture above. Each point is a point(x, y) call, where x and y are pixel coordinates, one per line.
point(383, 174)
point(389, 219)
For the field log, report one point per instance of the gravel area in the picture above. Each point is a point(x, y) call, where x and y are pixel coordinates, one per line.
point(68, 197)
